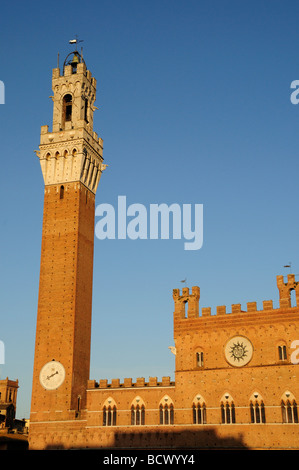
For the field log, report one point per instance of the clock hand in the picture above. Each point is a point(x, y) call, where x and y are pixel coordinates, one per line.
point(49, 376)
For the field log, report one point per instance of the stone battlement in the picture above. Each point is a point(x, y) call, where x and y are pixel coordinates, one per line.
point(128, 383)
point(191, 300)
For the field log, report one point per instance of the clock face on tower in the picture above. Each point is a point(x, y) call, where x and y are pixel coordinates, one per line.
point(238, 351)
point(52, 375)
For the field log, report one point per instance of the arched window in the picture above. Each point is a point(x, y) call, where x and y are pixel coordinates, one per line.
point(257, 409)
point(67, 108)
point(137, 415)
point(199, 359)
point(109, 416)
point(289, 411)
point(166, 411)
point(257, 412)
point(109, 413)
point(282, 352)
point(61, 195)
point(137, 412)
point(199, 413)
point(228, 414)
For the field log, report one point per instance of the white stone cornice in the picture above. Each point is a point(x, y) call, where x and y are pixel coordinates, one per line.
point(69, 161)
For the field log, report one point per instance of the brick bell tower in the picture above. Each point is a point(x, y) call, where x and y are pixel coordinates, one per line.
point(71, 161)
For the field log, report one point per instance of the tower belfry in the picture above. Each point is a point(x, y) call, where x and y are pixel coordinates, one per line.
point(72, 151)
point(71, 160)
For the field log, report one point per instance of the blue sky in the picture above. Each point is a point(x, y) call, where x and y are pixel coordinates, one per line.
point(194, 108)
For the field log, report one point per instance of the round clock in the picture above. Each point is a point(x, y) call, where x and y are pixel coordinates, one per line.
point(52, 375)
point(238, 351)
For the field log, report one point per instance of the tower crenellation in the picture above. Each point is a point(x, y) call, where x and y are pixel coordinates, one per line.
point(192, 300)
point(285, 289)
point(181, 299)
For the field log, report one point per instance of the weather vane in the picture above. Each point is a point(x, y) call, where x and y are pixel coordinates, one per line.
point(288, 266)
point(75, 41)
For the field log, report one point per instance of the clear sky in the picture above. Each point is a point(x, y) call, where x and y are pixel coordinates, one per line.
point(194, 108)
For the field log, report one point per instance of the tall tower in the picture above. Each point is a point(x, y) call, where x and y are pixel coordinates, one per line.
point(71, 161)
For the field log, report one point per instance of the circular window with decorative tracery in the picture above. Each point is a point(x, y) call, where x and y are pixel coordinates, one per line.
point(238, 351)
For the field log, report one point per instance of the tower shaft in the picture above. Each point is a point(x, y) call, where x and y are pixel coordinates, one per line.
point(71, 161)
